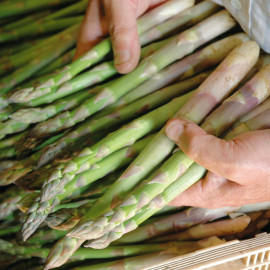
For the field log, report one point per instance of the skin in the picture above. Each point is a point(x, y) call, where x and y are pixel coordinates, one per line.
point(239, 170)
point(118, 18)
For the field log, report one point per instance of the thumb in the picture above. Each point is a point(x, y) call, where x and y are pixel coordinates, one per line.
point(209, 151)
point(124, 33)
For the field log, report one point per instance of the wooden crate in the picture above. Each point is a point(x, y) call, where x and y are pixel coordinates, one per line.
point(251, 254)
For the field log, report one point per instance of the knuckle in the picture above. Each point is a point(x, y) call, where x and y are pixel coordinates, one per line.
point(193, 148)
point(119, 31)
point(230, 169)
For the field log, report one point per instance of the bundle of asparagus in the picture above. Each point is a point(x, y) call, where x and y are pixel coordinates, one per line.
point(93, 162)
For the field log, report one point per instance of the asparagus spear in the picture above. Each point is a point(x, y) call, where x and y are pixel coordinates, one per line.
point(259, 109)
point(23, 251)
point(39, 28)
point(10, 141)
point(9, 230)
point(259, 121)
point(254, 92)
point(151, 122)
point(184, 19)
point(83, 254)
point(97, 74)
point(126, 135)
point(21, 119)
point(7, 153)
point(65, 219)
point(48, 55)
point(19, 169)
point(218, 228)
point(5, 113)
point(195, 172)
point(184, 220)
point(41, 208)
point(149, 66)
point(9, 200)
point(205, 58)
point(36, 115)
point(12, 126)
point(76, 8)
point(26, 20)
point(123, 114)
point(45, 236)
point(31, 51)
point(6, 164)
point(98, 52)
point(189, 177)
point(63, 60)
point(28, 164)
point(138, 262)
point(22, 7)
point(86, 79)
point(25, 203)
point(195, 110)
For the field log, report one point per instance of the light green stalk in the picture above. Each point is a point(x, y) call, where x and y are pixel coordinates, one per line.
point(149, 66)
point(208, 57)
point(98, 52)
point(172, 223)
point(119, 116)
point(39, 28)
point(22, 7)
point(138, 262)
point(63, 60)
point(31, 51)
point(126, 135)
point(181, 184)
point(21, 119)
point(259, 121)
point(41, 208)
point(26, 20)
point(5, 113)
point(6, 164)
point(8, 152)
point(9, 230)
point(197, 107)
point(9, 200)
point(23, 251)
point(19, 169)
point(36, 115)
point(86, 79)
point(10, 141)
point(254, 92)
point(46, 56)
point(74, 9)
point(27, 165)
point(259, 109)
point(218, 228)
point(184, 19)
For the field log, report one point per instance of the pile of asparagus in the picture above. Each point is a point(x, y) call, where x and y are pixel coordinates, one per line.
point(86, 148)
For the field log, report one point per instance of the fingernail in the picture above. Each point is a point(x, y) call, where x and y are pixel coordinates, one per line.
point(174, 130)
point(122, 57)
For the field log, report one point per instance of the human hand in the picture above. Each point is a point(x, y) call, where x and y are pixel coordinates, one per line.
point(239, 170)
point(117, 17)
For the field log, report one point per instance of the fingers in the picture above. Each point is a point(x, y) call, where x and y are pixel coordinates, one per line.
point(215, 192)
point(93, 28)
point(124, 33)
point(234, 159)
point(210, 152)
